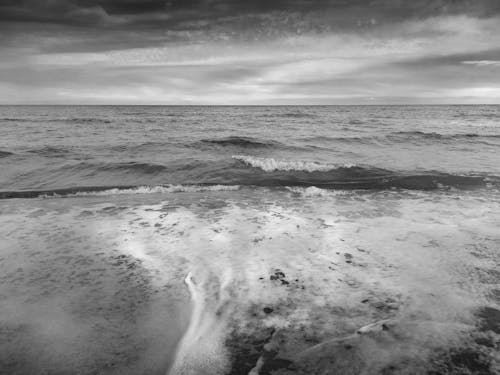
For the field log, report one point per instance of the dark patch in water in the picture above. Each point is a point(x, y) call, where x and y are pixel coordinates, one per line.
point(246, 350)
point(245, 142)
point(358, 177)
point(15, 119)
point(274, 364)
point(485, 341)
point(461, 361)
point(143, 168)
point(145, 146)
point(4, 154)
point(86, 120)
point(495, 295)
point(278, 275)
point(364, 140)
point(488, 276)
point(434, 135)
point(49, 151)
point(489, 319)
point(405, 136)
point(355, 122)
point(290, 115)
point(259, 351)
point(471, 360)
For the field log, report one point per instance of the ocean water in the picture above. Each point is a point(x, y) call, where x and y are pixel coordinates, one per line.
point(250, 240)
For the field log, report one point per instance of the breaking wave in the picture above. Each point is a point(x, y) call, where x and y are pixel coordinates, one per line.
point(147, 190)
point(313, 191)
point(97, 191)
point(191, 175)
point(272, 173)
point(270, 164)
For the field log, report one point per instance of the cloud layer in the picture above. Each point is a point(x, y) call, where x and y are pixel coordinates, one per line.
point(242, 52)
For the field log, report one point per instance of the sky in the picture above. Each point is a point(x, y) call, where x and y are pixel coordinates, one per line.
point(249, 52)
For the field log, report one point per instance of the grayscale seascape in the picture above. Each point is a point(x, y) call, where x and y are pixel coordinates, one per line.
point(283, 240)
point(249, 187)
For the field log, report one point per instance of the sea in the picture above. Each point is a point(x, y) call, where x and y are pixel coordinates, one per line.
point(286, 240)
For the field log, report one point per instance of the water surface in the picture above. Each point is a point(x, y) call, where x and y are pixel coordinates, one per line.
point(250, 240)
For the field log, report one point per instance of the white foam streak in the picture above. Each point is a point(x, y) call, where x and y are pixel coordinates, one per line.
point(270, 164)
point(147, 190)
point(313, 191)
point(201, 350)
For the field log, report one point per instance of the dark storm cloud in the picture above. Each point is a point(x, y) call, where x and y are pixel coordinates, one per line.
point(105, 12)
point(97, 25)
point(50, 12)
point(100, 25)
point(244, 51)
point(125, 6)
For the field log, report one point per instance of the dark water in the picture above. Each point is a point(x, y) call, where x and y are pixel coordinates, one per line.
point(250, 240)
point(414, 147)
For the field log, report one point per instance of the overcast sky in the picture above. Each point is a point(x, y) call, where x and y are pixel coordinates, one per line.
point(249, 51)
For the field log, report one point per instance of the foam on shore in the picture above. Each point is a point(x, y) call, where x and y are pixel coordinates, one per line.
point(380, 280)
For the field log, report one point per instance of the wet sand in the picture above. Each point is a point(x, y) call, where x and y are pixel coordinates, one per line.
point(301, 282)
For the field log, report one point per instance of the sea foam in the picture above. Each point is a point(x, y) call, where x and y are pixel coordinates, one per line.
point(270, 164)
point(146, 190)
point(313, 191)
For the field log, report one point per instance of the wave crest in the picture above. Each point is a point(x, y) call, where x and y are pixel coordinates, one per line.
point(160, 189)
point(240, 142)
point(49, 151)
point(4, 154)
point(271, 165)
point(313, 191)
point(434, 135)
point(97, 191)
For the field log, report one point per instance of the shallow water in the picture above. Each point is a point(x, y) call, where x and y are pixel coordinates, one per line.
point(292, 277)
point(250, 240)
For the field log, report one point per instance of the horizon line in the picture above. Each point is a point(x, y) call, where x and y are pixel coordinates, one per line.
point(245, 105)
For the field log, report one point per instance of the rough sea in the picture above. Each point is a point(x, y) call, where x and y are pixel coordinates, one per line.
point(249, 240)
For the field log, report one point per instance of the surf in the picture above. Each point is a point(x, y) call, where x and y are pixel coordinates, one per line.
point(201, 349)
